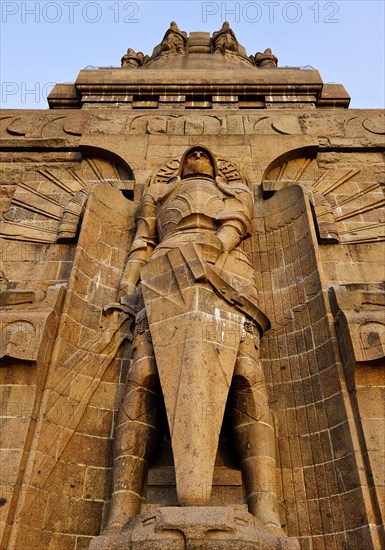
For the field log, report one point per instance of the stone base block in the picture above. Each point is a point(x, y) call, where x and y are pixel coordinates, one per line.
point(193, 528)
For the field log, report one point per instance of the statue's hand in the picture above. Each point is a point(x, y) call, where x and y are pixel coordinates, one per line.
point(210, 246)
point(129, 295)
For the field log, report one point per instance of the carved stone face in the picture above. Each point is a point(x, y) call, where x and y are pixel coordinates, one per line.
point(197, 162)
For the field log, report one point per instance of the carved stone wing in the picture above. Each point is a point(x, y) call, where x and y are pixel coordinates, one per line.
point(302, 366)
point(73, 418)
point(48, 203)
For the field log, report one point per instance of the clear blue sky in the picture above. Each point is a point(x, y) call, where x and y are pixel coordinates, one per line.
point(43, 42)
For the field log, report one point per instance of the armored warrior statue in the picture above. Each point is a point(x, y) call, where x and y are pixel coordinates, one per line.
point(197, 332)
point(266, 60)
point(224, 39)
point(174, 40)
point(132, 60)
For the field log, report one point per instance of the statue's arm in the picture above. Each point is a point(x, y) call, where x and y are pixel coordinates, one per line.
point(235, 221)
point(230, 233)
point(142, 246)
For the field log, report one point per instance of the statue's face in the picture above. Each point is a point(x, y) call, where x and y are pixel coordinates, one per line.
point(198, 162)
point(198, 154)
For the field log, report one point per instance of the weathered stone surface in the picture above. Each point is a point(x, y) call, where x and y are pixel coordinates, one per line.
point(72, 185)
point(195, 528)
point(364, 307)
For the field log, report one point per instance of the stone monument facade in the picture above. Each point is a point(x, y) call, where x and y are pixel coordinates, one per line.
point(192, 308)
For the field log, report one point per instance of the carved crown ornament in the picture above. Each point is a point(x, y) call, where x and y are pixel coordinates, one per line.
point(222, 42)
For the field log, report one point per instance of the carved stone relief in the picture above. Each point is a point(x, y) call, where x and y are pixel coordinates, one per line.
point(66, 125)
point(335, 205)
point(48, 204)
point(364, 308)
point(170, 169)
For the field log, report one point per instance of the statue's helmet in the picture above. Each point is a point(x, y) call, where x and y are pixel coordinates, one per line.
point(198, 161)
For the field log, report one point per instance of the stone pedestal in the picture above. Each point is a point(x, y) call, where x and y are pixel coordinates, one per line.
point(198, 527)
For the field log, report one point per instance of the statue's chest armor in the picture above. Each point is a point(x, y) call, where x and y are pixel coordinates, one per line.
point(193, 197)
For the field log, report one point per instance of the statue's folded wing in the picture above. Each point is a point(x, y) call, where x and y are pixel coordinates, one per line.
point(72, 418)
point(299, 357)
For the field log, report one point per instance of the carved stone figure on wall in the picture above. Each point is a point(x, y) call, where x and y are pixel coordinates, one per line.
point(132, 60)
point(225, 39)
point(18, 339)
point(198, 325)
point(174, 40)
point(266, 60)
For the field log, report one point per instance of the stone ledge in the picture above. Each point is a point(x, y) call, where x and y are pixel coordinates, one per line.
point(198, 528)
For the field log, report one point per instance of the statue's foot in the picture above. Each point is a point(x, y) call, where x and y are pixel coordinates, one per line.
point(123, 507)
point(274, 529)
point(262, 507)
point(112, 529)
point(117, 523)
